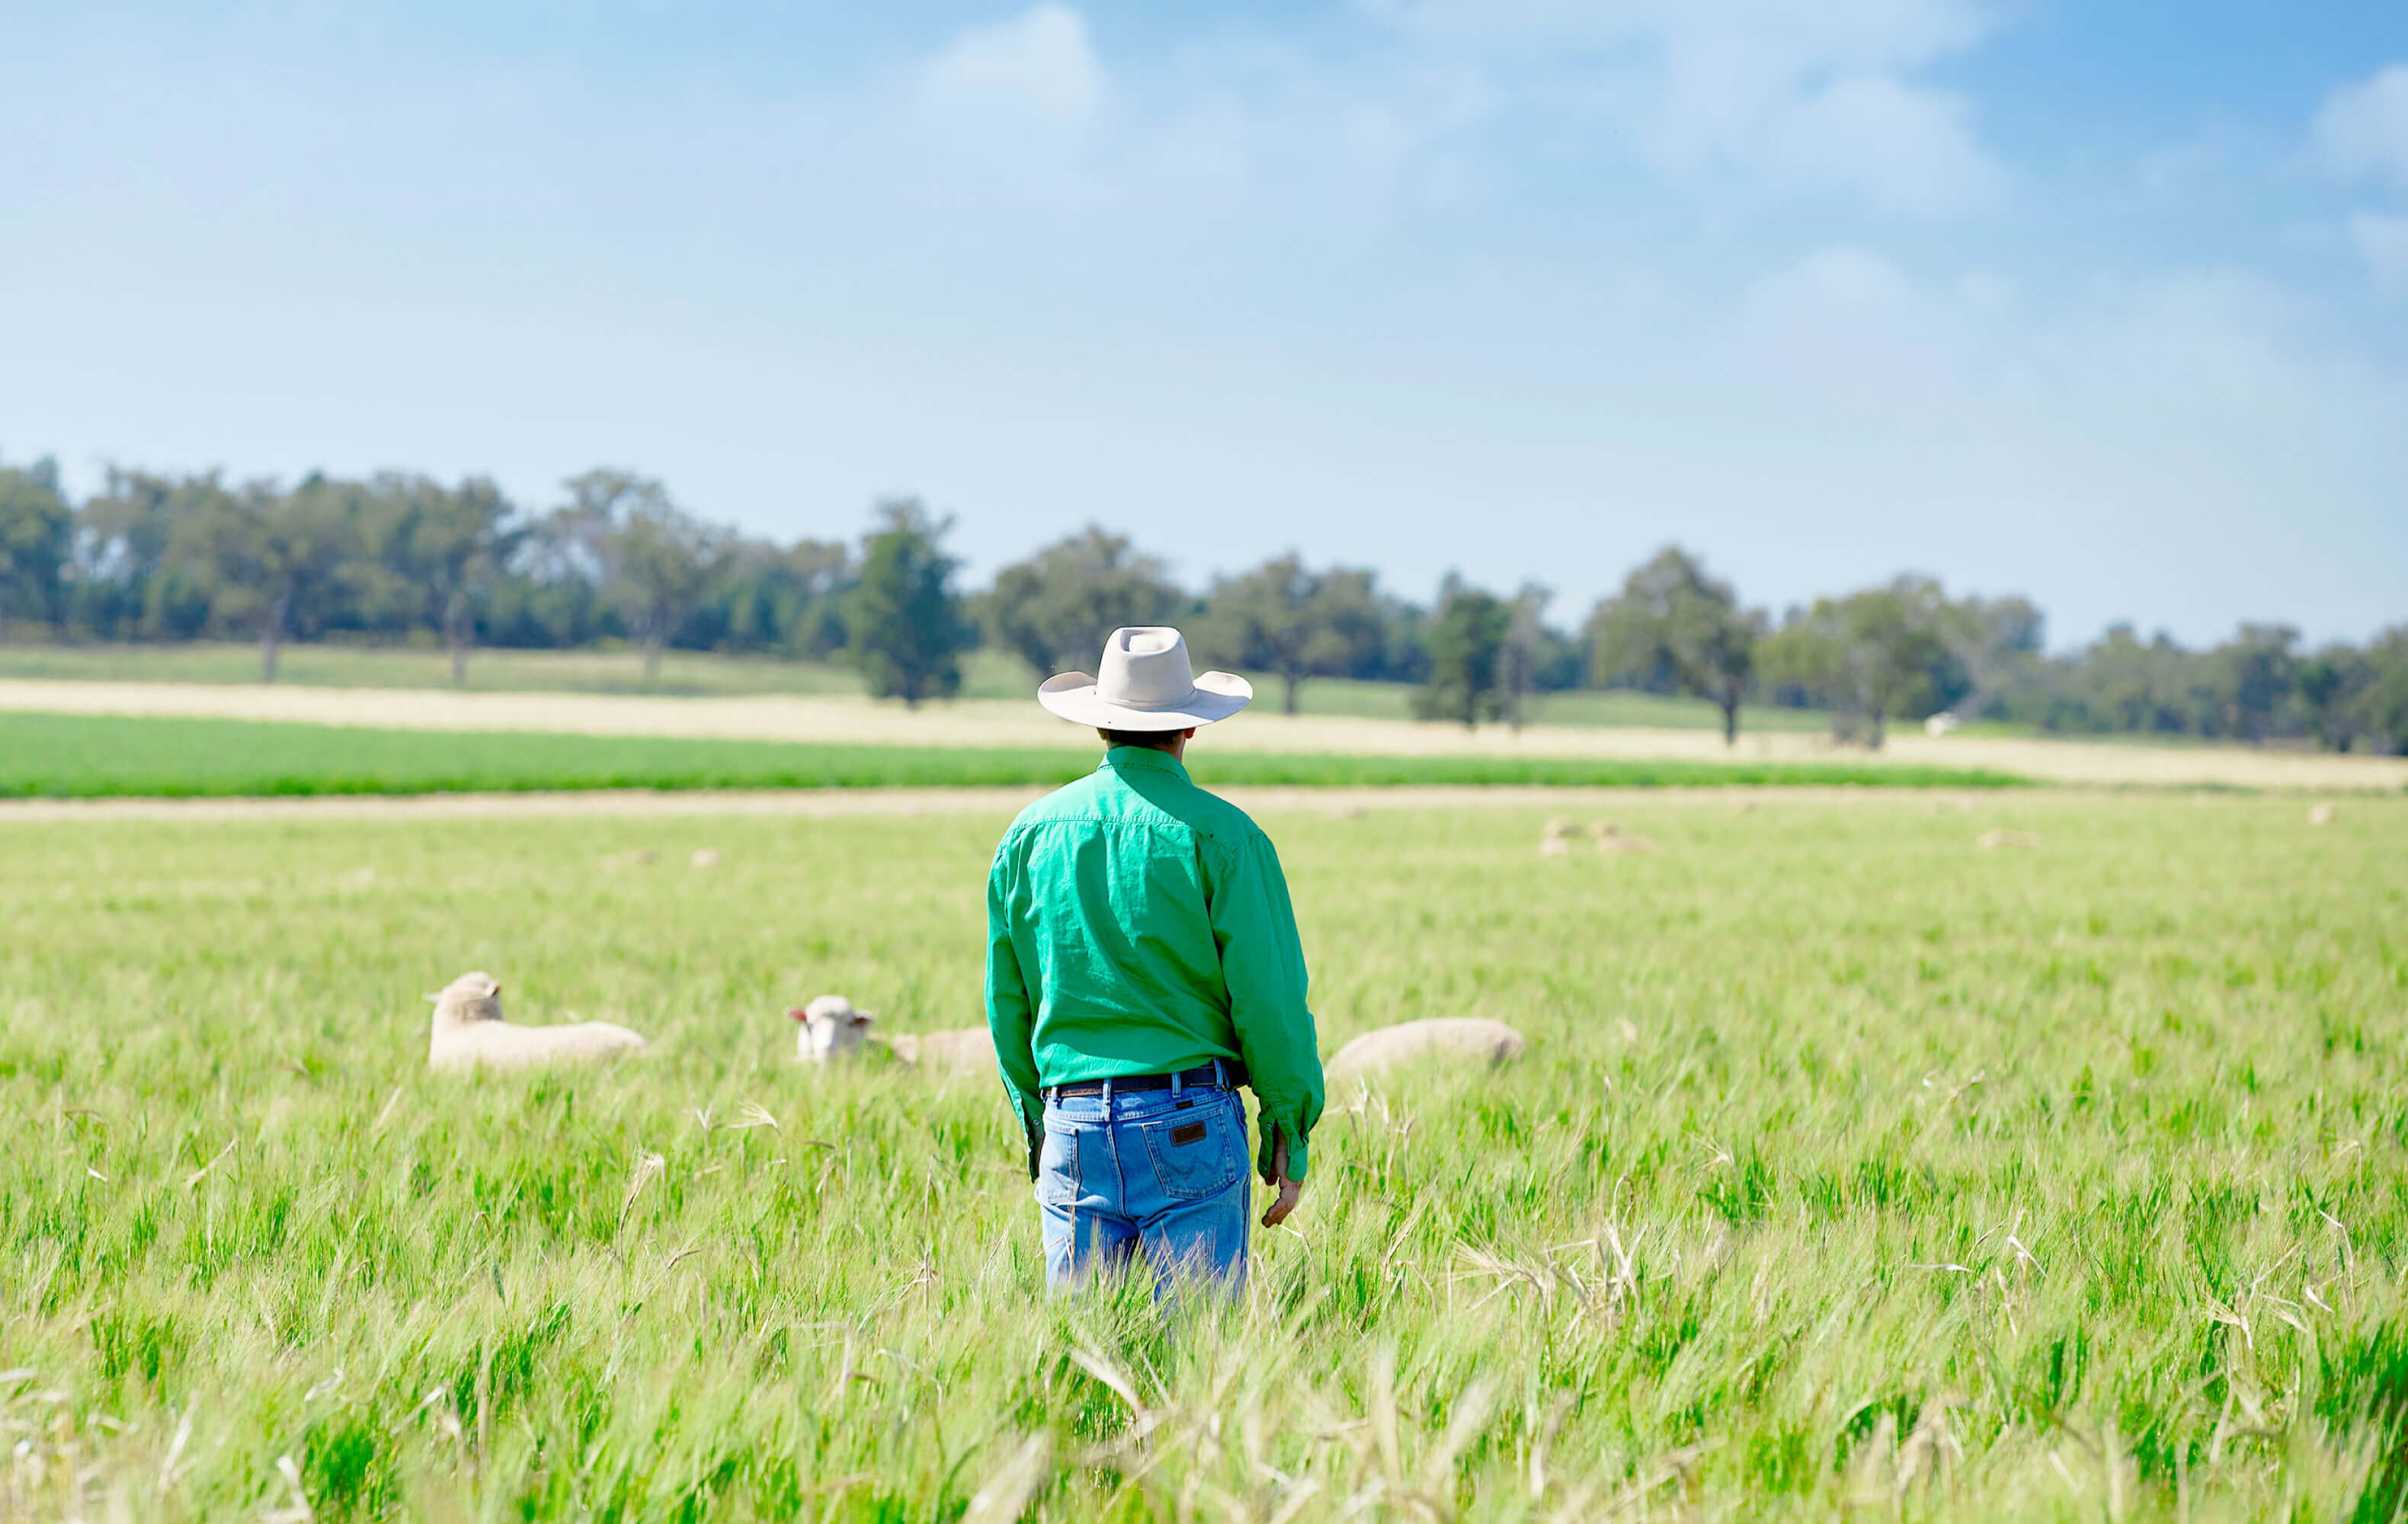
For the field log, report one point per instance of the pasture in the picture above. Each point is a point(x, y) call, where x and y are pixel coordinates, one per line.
point(1852, 1170)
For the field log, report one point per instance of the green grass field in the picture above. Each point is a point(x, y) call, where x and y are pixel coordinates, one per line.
point(71, 756)
point(985, 674)
point(1850, 1171)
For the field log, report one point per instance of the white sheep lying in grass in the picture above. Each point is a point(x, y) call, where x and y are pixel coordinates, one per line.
point(1612, 837)
point(469, 1030)
point(965, 1050)
point(832, 1028)
point(1458, 1037)
point(835, 1028)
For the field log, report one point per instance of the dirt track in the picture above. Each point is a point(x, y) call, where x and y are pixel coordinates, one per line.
point(859, 721)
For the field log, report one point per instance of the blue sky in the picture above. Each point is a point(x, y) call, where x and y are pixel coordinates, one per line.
point(2104, 303)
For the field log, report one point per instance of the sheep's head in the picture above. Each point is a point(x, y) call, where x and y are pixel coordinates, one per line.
point(470, 998)
point(831, 1029)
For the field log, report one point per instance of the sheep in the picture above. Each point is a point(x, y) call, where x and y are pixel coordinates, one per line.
point(1461, 1037)
point(1990, 841)
point(1556, 839)
point(1611, 838)
point(640, 857)
point(704, 857)
point(965, 1050)
point(469, 1030)
point(832, 1028)
point(2320, 815)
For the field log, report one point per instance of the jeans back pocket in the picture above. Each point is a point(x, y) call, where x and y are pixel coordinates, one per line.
point(1057, 1165)
point(1196, 1152)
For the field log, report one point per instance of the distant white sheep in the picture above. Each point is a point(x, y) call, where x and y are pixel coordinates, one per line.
point(2320, 815)
point(469, 1030)
point(832, 1028)
point(1458, 1037)
point(1612, 837)
point(1991, 840)
point(965, 1050)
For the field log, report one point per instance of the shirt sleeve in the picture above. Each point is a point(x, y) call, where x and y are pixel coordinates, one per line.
point(1010, 1011)
point(1262, 961)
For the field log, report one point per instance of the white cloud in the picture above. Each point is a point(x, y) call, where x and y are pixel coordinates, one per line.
point(2363, 127)
point(1905, 149)
point(1810, 97)
point(2383, 243)
point(1040, 63)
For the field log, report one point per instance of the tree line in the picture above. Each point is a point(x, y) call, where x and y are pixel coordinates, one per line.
point(396, 556)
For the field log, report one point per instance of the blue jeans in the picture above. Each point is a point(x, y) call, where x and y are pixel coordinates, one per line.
point(1160, 1171)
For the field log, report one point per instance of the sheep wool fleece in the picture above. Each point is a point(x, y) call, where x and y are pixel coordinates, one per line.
point(1138, 925)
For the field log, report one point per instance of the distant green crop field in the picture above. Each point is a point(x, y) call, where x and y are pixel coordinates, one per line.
point(1851, 1173)
point(985, 674)
point(69, 756)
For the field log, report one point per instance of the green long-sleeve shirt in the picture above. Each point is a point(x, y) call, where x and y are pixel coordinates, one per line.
point(1138, 925)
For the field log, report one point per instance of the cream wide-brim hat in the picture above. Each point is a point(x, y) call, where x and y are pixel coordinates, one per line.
point(1146, 683)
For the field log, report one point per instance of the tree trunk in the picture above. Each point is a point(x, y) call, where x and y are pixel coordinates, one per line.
point(455, 630)
point(1730, 714)
point(652, 660)
point(272, 637)
point(1295, 682)
point(1873, 728)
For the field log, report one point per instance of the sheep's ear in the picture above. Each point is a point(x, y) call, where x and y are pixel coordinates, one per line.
point(798, 1013)
point(496, 990)
point(863, 1018)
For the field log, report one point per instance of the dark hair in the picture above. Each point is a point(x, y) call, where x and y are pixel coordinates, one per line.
point(1161, 740)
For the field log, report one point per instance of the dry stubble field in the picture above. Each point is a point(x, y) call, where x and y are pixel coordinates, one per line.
point(974, 723)
point(1851, 1169)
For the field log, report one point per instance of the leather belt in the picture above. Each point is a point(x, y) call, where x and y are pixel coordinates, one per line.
point(1222, 1074)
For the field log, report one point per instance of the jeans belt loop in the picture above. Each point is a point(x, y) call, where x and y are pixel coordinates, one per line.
point(1178, 1081)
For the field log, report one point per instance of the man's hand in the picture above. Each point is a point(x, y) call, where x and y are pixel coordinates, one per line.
point(1288, 1189)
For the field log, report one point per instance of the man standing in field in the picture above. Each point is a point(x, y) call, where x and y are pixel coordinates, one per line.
point(1143, 963)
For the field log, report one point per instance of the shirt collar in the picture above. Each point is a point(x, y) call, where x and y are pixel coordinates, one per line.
point(1122, 758)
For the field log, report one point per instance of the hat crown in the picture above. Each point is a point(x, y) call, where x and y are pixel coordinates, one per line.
point(1145, 666)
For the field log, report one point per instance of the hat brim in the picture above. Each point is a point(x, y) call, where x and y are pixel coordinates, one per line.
point(1218, 695)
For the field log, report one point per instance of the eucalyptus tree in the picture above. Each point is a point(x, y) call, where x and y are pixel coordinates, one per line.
point(37, 541)
point(1293, 622)
point(454, 542)
point(274, 560)
point(1467, 641)
point(903, 619)
point(1055, 609)
point(1870, 654)
point(1673, 622)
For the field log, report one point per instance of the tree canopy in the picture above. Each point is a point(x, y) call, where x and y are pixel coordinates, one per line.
point(615, 559)
point(1674, 624)
point(906, 624)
